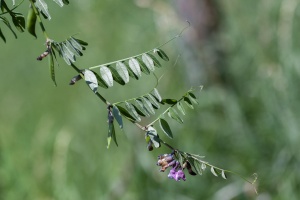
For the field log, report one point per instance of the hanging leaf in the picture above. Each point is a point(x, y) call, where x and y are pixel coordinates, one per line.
point(59, 2)
point(43, 7)
point(6, 22)
point(180, 158)
point(2, 36)
point(147, 105)
point(223, 175)
point(101, 83)
point(144, 68)
point(148, 61)
point(180, 108)
point(19, 21)
point(31, 21)
point(106, 76)
point(156, 94)
point(130, 108)
point(188, 102)
point(155, 61)
point(117, 116)
point(212, 169)
point(122, 71)
point(139, 111)
point(193, 98)
point(140, 107)
point(161, 54)
point(153, 101)
point(153, 137)
point(169, 101)
point(91, 80)
point(116, 76)
point(51, 67)
point(135, 67)
point(126, 114)
point(165, 127)
point(111, 134)
point(81, 42)
point(174, 115)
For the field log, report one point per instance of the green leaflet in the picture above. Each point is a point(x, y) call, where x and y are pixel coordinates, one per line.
point(19, 21)
point(31, 21)
point(122, 71)
point(155, 61)
point(156, 94)
point(139, 111)
point(51, 67)
point(148, 61)
point(174, 115)
point(126, 114)
point(165, 127)
point(59, 2)
point(144, 68)
point(193, 98)
point(153, 137)
point(180, 108)
point(91, 80)
point(101, 83)
point(153, 101)
point(161, 54)
point(6, 22)
point(116, 76)
point(2, 36)
point(169, 101)
point(117, 116)
point(140, 107)
point(106, 76)
point(130, 108)
point(213, 171)
point(111, 134)
point(43, 7)
point(188, 102)
point(147, 105)
point(135, 67)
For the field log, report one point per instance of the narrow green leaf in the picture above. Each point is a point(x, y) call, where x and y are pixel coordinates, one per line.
point(153, 101)
point(73, 49)
point(156, 62)
point(31, 21)
point(193, 98)
point(126, 114)
point(174, 115)
point(75, 44)
point(156, 94)
point(169, 101)
point(161, 54)
point(203, 166)
point(165, 127)
point(81, 42)
point(180, 158)
point(139, 111)
point(51, 67)
point(101, 83)
point(91, 80)
point(144, 68)
point(43, 7)
point(135, 67)
point(139, 104)
point(130, 108)
point(212, 169)
point(19, 21)
point(122, 71)
point(117, 116)
point(153, 137)
point(147, 105)
point(188, 102)
point(66, 2)
point(59, 2)
point(148, 62)
point(106, 76)
point(223, 175)
point(130, 72)
point(116, 76)
point(111, 134)
point(180, 108)
point(68, 53)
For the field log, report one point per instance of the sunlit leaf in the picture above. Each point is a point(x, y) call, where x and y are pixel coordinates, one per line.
point(91, 80)
point(81, 42)
point(123, 72)
point(75, 51)
point(203, 166)
point(144, 68)
point(106, 75)
point(101, 82)
point(153, 101)
point(153, 137)
point(148, 62)
point(130, 108)
point(180, 108)
point(138, 110)
point(117, 116)
point(174, 115)
point(165, 127)
point(135, 67)
point(223, 175)
point(140, 107)
point(193, 98)
point(156, 94)
point(43, 7)
point(75, 44)
point(59, 2)
point(126, 114)
point(161, 54)
point(147, 105)
point(116, 76)
point(156, 62)
point(213, 171)
point(188, 102)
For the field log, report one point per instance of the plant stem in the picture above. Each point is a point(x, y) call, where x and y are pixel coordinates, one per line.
point(39, 19)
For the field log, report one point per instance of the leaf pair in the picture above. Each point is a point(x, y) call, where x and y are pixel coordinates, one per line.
point(42, 6)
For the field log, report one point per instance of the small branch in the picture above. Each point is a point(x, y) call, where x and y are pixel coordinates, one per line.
point(12, 8)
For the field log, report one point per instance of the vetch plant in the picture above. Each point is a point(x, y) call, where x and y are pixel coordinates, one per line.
point(121, 71)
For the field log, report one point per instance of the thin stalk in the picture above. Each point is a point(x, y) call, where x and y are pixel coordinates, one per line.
point(39, 19)
point(12, 8)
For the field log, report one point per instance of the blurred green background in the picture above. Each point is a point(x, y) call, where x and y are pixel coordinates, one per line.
point(244, 53)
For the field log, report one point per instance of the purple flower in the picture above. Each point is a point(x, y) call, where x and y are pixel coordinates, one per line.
point(180, 175)
point(177, 175)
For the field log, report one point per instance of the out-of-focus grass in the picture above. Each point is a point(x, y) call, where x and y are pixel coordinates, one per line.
point(53, 140)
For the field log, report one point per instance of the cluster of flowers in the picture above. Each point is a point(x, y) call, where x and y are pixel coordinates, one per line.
point(167, 160)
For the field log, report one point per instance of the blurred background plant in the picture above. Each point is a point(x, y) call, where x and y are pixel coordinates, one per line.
point(245, 53)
